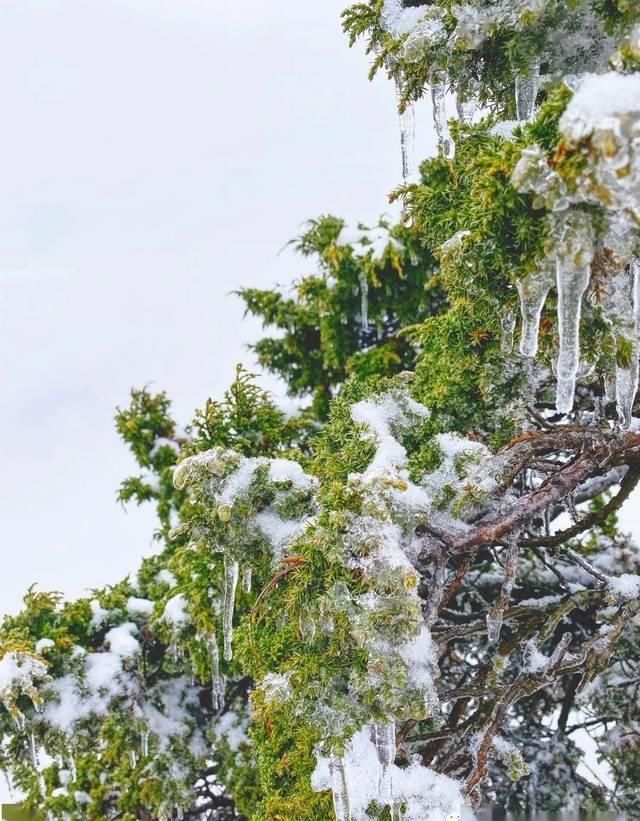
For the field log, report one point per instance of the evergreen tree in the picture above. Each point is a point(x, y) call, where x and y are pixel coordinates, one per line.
point(411, 597)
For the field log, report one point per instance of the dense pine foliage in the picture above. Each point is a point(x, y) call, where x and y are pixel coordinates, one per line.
point(413, 596)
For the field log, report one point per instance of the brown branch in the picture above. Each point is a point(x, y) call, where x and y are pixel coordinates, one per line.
point(627, 486)
point(598, 450)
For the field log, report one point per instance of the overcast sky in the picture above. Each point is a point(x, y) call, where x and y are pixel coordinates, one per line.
point(155, 155)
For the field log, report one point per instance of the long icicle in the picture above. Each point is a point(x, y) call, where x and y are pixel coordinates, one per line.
point(231, 573)
point(407, 119)
point(445, 140)
point(533, 292)
point(627, 377)
point(572, 283)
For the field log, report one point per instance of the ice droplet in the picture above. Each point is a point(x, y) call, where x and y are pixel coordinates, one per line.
point(231, 573)
point(438, 98)
point(339, 789)
point(572, 283)
point(217, 681)
point(527, 86)
point(533, 291)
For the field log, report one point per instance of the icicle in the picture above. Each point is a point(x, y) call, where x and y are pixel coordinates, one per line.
point(144, 743)
point(627, 377)
point(231, 573)
point(364, 301)
point(407, 136)
point(407, 142)
point(572, 283)
point(495, 616)
point(339, 789)
point(35, 761)
point(71, 762)
point(133, 758)
point(438, 98)
point(247, 576)
point(533, 292)
point(217, 681)
point(507, 330)
point(527, 87)
point(385, 741)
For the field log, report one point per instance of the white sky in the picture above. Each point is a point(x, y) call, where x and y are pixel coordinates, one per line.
point(154, 155)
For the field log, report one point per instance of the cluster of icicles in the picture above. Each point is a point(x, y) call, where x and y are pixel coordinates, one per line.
point(622, 304)
point(526, 92)
point(571, 279)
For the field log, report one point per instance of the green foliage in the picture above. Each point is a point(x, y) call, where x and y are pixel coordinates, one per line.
point(321, 339)
point(346, 561)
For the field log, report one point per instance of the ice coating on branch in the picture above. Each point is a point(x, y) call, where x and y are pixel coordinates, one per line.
point(495, 616)
point(20, 674)
point(276, 688)
point(474, 22)
point(231, 574)
point(603, 117)
point(602, 122)
point(533, 291)
point(355, 777)
point(440, 121)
